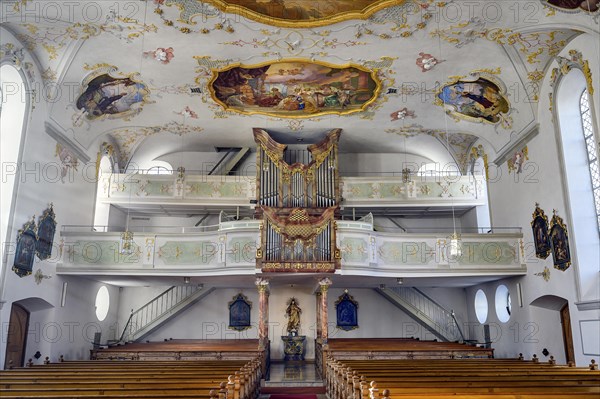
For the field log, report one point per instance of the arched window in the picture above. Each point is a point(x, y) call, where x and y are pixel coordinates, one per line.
point(592, 150)
point(576, 135)
point(13, 108)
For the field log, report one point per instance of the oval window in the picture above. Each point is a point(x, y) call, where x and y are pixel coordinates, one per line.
point(503, 305)
point(102, 303)
point(481, 306)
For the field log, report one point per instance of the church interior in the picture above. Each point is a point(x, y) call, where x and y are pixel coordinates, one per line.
point(319, 183)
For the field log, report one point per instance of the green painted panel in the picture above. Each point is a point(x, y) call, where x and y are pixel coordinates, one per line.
point(406, 253)
point(188, 252)
point(216, 189)
point(158, 188)
point(241, 250)
point(488, 253)
point(354, 249)
point(360, 190)
point(101, 253)
point(392, 190)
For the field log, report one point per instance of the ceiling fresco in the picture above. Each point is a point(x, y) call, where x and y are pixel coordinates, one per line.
point(476, 98)
point(107, 96)
point(590, 6)
point(295, 88)
point(156, 71)
point(302, 14)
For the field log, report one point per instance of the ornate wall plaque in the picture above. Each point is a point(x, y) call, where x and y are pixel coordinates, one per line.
point(25, 253)
point(541, 239)
point(239, 313)
point(46, 230)
point(559, 239)
point(346, 309)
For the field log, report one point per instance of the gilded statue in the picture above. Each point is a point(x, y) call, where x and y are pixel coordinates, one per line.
point(293, 314)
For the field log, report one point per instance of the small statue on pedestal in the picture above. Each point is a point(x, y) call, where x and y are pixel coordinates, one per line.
point(294, 344)
point(293, 312)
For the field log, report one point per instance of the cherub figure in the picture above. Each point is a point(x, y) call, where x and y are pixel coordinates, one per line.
point(427, 61)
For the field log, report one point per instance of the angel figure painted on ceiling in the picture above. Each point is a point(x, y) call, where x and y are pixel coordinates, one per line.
point(402, 114)
point(162, 55)
point(518, 159)
point(427, 61)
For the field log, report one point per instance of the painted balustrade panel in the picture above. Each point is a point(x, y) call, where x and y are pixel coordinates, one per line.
point(139, 187)
point(234, 251)
point(364, 191)
point(239, 190)
point(98, 252)
point(382, 253)
point(202, 251)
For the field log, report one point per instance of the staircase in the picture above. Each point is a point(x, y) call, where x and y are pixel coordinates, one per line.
point(159, 310)
point(425, 311)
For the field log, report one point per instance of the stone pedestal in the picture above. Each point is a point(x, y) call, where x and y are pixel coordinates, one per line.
point(294, 347)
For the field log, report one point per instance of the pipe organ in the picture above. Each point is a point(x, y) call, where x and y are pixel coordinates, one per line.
point(297, 198)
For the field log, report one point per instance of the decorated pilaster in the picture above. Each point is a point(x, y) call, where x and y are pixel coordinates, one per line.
point(263, 312)
point(324, 287)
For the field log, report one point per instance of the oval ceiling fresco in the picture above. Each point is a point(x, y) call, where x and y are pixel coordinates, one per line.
point(305, 13)
point(294, 88)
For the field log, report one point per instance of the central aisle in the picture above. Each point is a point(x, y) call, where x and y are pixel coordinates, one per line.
point(293, 380)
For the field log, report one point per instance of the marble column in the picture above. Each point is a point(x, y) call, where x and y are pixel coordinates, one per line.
point(319, 304)
point(324, 287)
point(263, 312)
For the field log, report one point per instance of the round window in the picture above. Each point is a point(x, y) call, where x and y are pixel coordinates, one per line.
point(481, 306)
point(503, 305)
point(102, 303)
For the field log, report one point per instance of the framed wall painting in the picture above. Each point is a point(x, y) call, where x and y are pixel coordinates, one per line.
point(346, 309)
point(239, 313)
point(45, 234)
point(541, 238)
point(26, 248)
point(559, 238)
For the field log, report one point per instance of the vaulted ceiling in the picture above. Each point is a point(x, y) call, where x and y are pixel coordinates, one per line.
point(398, 74)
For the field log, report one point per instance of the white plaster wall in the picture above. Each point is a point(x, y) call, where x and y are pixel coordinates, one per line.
point(208, 319)
point(379, 164)
point(416, 225)
point(377, 318)
point(451, 299)
point(513, 199)
point(52, 331)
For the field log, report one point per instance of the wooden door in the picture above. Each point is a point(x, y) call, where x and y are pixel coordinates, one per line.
point(565, 320)
point(17, 336)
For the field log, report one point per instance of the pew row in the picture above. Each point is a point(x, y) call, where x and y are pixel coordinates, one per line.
point(135, 379)
point(394, 349)
point(458, 378)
